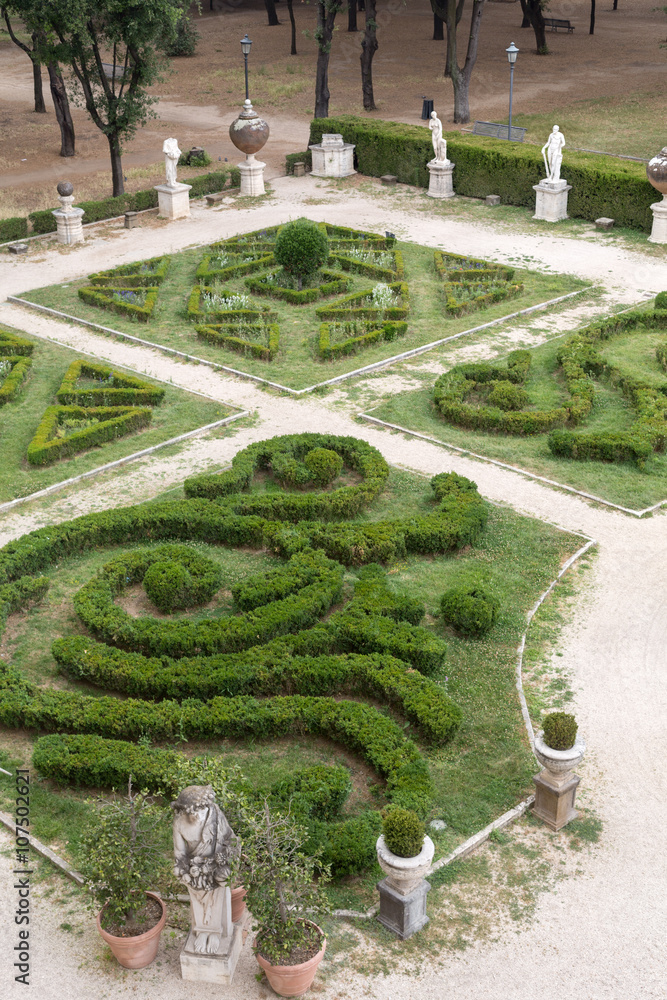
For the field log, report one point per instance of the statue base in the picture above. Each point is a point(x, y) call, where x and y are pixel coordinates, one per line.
point(404, 915)
point(554, 798)
point(659, 230)
point(440, 184)
point(252, 176)
point(551, 200)
point(70, 227)
point(217, 967)
point(173, 201)
point(332, 157)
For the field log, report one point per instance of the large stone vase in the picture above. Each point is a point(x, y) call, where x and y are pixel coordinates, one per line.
point(556, 786)
point(249, 133)
point(656, 171)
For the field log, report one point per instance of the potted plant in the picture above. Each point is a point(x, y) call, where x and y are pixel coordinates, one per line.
point(558, 746)
point(404, 851)
point(123, 860)
point(281, 886)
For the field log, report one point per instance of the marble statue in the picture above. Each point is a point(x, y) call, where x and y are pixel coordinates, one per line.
point(171, 155)
point(438, 140)
point(204, 846)
point(552, 152)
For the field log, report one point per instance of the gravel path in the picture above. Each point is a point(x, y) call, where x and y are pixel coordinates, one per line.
point(599, 935)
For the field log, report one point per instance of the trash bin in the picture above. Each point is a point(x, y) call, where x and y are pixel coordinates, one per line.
point(427, 108)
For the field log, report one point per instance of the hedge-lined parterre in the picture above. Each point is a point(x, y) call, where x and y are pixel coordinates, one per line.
point(471, 284)
point(91, 426)
point(13, 371)
point(111, 387)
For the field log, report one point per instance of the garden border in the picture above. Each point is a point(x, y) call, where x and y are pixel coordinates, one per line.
point(385, 363)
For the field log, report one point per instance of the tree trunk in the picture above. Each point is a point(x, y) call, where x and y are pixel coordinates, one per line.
point(368, 49)
point(271, 11)
point(326, 15)
point(290, 11)
point(116, 165)
point(459, 14)
point(532, 9)
point(61, 105)
point(40, 106)
point(352, 16)
point(461, 77)
point(591, 30)
point(438, 28)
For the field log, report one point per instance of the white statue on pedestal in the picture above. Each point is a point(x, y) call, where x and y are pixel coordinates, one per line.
point(438, 140)
point(204, 845)
point(171, 156)
point(552, 152)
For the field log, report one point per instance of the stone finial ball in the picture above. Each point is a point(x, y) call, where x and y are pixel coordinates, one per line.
point(65, 189)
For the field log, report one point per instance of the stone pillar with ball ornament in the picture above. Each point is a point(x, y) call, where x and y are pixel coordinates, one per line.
point(656, 171)
point(249, 133)
point(68, 219)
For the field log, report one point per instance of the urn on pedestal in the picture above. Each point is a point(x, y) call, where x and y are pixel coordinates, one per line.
point(249, 133)
point(656, 171)
point(405, 854)
point(559, 748)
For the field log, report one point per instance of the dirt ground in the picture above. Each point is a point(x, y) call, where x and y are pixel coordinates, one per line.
point(200, 98)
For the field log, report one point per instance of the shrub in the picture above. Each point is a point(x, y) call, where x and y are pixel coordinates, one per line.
point(105, 423)
point(560, 730)
point(348, 847)
point(301, 248)
point(660, 301)
point(403, 832)
point(168, 584)
point(507, 396)
point(469, 610)
point(292, 158)
point(15, 369)
point(324, 465)
point(13, 229)
point(184, 42)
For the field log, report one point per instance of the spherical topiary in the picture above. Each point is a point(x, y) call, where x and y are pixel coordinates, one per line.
point(301, 248)
point(660, 301)
point(403, 832)
point(324, 465)
point(469, 610)
point(560, 730)
point(169, 585)
point(508, 396)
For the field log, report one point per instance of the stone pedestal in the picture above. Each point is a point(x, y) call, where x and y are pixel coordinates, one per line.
point(659, 229)
point(554, 798)
point(551, 200)
point(173, 201)
point(404, 915)
point(252, 176)
point(68, 221)
point(216, 967)
point(332, 157)
point(440, 184)
point(214, 943)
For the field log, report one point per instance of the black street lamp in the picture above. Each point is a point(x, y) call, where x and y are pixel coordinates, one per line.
point(245, 48)
point(512, 53)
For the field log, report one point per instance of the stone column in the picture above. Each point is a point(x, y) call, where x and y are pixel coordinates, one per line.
point(252, 176)
point(551, 200)
point(659, 228)
point(440, 183)
point(173, 201)
point(68, 219)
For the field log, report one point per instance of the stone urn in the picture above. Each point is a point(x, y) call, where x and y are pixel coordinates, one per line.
point(405, 874)
point(556, 786)
point(656, 171)
point(249, 132)
point(559, 763)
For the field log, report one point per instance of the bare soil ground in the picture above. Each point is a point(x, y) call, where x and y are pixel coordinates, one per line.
point(201, 96)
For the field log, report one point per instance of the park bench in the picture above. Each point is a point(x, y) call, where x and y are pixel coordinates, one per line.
point(557, 22)
point(496, 131)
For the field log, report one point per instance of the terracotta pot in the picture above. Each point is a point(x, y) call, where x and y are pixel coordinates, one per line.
point(559, 762)
point(405, 874)
point(293, 980)
point(238, 903)
point(139, 951)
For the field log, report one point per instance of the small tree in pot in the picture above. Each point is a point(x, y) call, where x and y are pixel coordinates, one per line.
point(281, 885)
point(122, 860)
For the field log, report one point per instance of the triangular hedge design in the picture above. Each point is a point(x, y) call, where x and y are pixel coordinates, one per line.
point(12, 345)
point(18, 369)
point(141, 274)
point(122, 300)
point(111, 422)
point(115, 389)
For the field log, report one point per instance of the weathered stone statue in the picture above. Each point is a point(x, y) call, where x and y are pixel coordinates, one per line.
point(552, 152)
point(204, 846)
point(171, 156)
point(437, 138)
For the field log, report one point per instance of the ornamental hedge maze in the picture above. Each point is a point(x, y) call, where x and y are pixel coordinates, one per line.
point(232, 302)
point(320, 645)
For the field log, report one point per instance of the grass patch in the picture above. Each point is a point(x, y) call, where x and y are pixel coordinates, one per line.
point(297, 364)
point(618, 483)
point(179, 412)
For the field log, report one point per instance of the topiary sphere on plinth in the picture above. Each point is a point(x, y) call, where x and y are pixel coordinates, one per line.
point(559, 730)
point(301, 248)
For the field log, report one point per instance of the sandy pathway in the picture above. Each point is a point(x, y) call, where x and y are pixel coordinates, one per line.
point(600, 935)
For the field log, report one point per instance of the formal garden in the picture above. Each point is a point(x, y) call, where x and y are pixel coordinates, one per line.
point(354, 298)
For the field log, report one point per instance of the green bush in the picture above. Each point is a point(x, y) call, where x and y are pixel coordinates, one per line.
point(660, 301)
point(324, 465)
point(469, 610)
point(12, 345)
point(19, 367)
point(403, 832)
point(106, 423)
point(301, 248)
point(13, 229)
point(559, 730)
point(43, 221)
point(292, 158)
point(168, 585)
point(184, 42)
point(348, 847)
point(507, 396)
point(601, 185)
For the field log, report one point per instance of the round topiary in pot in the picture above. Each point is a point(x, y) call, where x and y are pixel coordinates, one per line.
point(324, 465)
point(559, 730)
point(470, 610)
point(301, 249)
point(403, 832)
point(169, 585)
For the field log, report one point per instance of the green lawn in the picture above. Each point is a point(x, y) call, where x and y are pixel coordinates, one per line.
point(618, 483)
point(180, 411)
point(487, 767)
point(297, 364)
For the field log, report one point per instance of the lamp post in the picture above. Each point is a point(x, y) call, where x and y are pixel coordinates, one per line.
point(245, 48)
point(512, 53)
